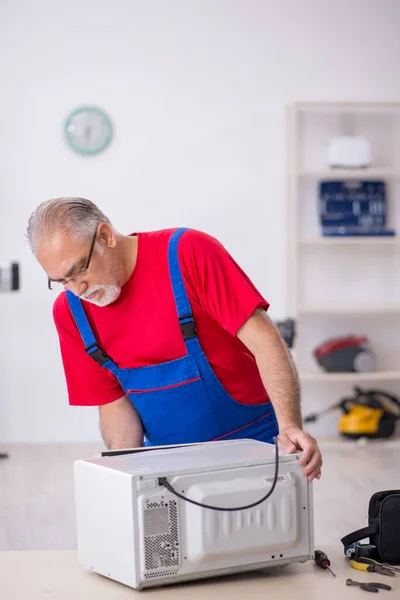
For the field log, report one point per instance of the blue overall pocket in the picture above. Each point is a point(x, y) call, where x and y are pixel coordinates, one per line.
point(172, 402)
point(237, 420)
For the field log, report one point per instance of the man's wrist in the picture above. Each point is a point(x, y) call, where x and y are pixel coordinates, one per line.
point(290, 425)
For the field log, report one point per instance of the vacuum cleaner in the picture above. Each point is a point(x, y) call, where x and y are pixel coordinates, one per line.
point(371, 414)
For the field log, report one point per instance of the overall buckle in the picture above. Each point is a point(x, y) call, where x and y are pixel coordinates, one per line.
point(98, 355)
point(188, 329)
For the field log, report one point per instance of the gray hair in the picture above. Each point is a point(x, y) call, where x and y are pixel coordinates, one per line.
point(77, 216)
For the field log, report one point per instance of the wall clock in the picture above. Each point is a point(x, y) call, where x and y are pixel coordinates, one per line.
point(88, 130)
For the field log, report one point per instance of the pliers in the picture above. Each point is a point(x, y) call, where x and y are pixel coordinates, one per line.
point(371, 566)
point(369, 587)
point(379, 568)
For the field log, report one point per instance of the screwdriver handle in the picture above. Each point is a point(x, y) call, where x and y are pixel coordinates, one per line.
point(321, 559)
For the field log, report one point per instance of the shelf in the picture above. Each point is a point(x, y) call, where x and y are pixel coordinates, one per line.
point(349, 377)
point(372, 173)
point(341, 284)
point(351, 241)
point(337, 107)
point(321, 309)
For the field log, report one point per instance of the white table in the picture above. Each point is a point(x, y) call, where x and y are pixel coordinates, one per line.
point(58, 576)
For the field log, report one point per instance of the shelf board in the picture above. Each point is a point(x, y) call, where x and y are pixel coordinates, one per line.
point(350, 377)
point(357, 309)
point(351, 241)
point(368, 173)
point(359, 107)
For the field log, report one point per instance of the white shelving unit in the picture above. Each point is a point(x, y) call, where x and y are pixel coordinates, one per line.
point(379, 310)
point(347, 285)
point(343, 173)
point(353, 378)
point(349, 241)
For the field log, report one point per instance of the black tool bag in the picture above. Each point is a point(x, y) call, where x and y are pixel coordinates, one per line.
point(384, 526)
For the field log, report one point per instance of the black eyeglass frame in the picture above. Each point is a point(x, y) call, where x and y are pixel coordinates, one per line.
point(79, 271)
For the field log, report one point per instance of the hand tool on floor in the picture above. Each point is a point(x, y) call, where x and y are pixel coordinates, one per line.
point(371, 561)
point(391, 568)
point(321, 560)
point(371, 566)
point(370, 586)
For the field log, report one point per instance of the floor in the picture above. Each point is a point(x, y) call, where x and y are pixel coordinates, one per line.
point(37, 497)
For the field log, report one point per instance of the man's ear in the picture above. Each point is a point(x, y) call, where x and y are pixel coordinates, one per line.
point(106, 236)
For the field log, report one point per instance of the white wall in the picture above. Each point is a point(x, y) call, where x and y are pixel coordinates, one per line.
point(197, 91)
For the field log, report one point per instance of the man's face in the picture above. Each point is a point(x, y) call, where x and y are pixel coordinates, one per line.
point(89, 269)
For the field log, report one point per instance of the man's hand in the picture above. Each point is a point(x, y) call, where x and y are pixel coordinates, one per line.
point(293, 439)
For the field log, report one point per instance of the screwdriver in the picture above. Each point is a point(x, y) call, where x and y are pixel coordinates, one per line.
point(321, 560)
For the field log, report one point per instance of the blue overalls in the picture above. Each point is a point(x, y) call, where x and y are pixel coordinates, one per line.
point(181, 401)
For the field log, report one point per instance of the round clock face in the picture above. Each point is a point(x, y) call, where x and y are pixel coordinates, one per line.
point(88, 130)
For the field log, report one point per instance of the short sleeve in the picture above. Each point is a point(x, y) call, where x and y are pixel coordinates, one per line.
point(88, 383)
point(221, 286)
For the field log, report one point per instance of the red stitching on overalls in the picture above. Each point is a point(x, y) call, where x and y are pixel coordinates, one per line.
point(243, 427)
point(167, 387)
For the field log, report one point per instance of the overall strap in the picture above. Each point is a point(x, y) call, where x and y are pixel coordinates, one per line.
point(183, 308)
point(82, 323)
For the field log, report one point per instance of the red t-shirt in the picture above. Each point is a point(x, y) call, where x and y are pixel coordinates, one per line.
point(141, 327)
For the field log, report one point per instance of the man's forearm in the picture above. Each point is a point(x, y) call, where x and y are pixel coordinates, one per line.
point(120, 425)
point(281, 381)
point(279, 376)
point(276, 367)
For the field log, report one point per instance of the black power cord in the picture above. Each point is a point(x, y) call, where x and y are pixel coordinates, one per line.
point(163, 481)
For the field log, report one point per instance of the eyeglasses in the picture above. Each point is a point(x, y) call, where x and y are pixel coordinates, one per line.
point(50, 282)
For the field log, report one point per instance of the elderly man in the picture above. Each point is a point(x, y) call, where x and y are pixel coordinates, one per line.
point(165, 333)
